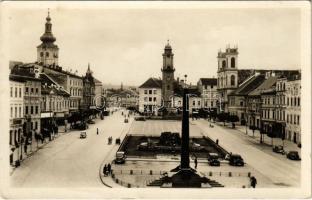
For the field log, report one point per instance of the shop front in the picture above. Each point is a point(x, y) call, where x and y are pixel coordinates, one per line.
point(16, 127)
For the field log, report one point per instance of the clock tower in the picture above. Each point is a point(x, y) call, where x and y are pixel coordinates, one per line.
point(167, 76)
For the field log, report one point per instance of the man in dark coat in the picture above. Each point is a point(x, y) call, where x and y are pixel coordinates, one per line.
point(253, 182)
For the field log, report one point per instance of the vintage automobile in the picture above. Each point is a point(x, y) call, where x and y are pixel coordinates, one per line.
point(236, 160)
point(213, 159)
point(126, 120)
point(120, 157)
point(83, 135)
point(293, 155)
point(279, 149)
point(81, 126)
point(90, 121)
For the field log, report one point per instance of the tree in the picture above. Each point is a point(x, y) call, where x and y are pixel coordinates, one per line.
point(233, 119)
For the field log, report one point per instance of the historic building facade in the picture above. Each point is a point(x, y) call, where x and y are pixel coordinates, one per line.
point(167, 76)
point(17, 89)
point(150, 96)
point(88, 91)
point(293, 110)
point(227, 75)
point(208, 89)
point(47, 51)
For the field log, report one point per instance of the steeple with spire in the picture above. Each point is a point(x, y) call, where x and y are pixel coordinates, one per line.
point(47, 51)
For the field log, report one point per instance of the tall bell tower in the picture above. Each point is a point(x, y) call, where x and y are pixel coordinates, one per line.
point(47, 51)
point(227, 75)
point(167, 76)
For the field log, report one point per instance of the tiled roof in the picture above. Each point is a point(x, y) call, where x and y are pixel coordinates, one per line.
point(249, 85)
point(267, 84)
point(152, 83)
point(209, 81)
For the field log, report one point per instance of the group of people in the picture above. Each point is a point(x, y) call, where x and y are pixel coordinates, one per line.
point(107, 169)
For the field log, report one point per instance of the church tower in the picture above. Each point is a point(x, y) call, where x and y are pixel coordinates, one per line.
point(227, 75)
point(47, 51)
point(167, 76)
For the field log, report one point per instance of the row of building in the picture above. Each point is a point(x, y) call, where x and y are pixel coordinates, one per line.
point(44, 96)
point(267, 100)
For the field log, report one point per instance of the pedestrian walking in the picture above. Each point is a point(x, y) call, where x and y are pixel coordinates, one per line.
point(97, 131)
point(195, 162)
point(217, 141)
point(105, 170)
point(109, 168)
point(253, 182)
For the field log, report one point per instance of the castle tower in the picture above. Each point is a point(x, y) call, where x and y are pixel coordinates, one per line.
point(47, 51)
point(167, 76)
point(227, 74)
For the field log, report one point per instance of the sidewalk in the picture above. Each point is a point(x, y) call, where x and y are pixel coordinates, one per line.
point(288, 145)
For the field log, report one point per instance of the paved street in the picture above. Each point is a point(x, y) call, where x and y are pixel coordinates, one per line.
point(69, 161)
point(72, 162)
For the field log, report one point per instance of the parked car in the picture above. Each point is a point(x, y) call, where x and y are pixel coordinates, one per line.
point(120, 157)
point(236, 160)
point(293, 155)
point(83, 135)
point(90, 121)
point(126, 120)
point(278, 149)
point(81, 126)
point(213, 159)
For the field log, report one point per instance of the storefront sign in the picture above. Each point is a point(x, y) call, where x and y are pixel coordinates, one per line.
point(46, 115)
point(59, 115)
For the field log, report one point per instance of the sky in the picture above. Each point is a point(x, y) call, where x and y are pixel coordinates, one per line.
point(126, 45)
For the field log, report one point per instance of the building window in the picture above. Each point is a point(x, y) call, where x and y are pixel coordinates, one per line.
point(287, 101)
point(211, 103)
point(150, 99)
point(11, 114)
point(298, 119)
point(37, 90)
point(41, 54)
point(31, 90)
point(168, 87)
point(11, 91)
point(154, 99)
point(37, 110)
point(15, 113)
point(198, 103)
point(241, 103)
point(155, 91)
point(232, 80)
point(26, 90)
point(193, 103)
point(26, 110)
point(145, 91)
point(15, 92)
point(36, 125)
point(47, 54)
point(20, 92)
point(150, 92)
point(232, 62)
point(19, 112)
point(223, 64)
point(31, 110)
point(298, 101)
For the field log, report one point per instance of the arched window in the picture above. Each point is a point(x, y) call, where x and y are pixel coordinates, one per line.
point(232, 62)
point(232, 80)
point(223, 64)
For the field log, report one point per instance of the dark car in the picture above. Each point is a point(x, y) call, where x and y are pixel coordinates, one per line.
point(126, 120)
point(120, 157)
point(213, 159)
point(278, 149)
point(90, 121)
point(236, 160)
point(80, 126)
point(83, 135)
point(293, 155)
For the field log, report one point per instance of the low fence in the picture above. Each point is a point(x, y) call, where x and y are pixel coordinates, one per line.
point(138, 172)
point(228, 174)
